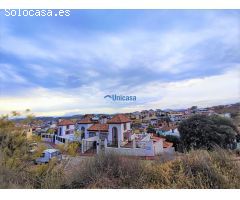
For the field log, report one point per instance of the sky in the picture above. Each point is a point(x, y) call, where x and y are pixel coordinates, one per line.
point(166, 58)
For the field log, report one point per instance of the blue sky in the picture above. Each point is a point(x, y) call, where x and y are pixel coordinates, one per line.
point(167, 58)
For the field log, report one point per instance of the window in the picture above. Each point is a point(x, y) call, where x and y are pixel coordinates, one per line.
point(92, 134)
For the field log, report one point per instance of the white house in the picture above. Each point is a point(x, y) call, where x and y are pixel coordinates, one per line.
point(154, 121)
point(227, 115)
point(168, 129)
point(116, 131)
point(175, 116)
point(119, 129)
point(65, 132)
point(116, 136)
point(83, 126)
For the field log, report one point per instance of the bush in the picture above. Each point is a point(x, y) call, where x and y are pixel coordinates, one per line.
point(177, 144)
point(16, 166)
point(206, 132)
point(196, 169)
point(108, 171)
point(199, 169)
point(150, 129)
point(72, 148)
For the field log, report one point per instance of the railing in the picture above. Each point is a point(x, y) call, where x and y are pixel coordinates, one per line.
point(116, 143)
point(89, 146)
point(60, 139)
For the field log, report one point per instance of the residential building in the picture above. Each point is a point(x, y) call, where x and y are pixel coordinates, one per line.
point(65, 132)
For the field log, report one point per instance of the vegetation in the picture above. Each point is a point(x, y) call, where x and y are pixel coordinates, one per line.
point(150, 129)
point(217, 168)
point(207, 131)
point(16, 162)
point(70, 148)
point(196, 169)
point(107, 171)
point(177, 144)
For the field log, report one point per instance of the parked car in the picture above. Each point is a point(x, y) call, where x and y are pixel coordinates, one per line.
point(48, 155)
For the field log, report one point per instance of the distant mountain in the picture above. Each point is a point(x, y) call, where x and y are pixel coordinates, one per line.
point(174, 110)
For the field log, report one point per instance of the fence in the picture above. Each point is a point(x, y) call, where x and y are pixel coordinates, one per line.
point(90, 144)
point(116, 143)
point(47, 137)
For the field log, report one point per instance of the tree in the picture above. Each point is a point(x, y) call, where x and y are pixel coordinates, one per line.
point(193, 108)
point(175, 140)
point(150, 129)
point(201, 131)
point(16, 170)
point(51, 131)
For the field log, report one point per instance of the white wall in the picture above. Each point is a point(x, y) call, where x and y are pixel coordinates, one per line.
point(119, 130)
point(128, 126)
point(86, 126)
point(158, 147)
point(169, 150)
point(64, 129)
point(147, 151)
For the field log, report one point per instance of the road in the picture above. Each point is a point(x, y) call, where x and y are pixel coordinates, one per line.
point(69, 162)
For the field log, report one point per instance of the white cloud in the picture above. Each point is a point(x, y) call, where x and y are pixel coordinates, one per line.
point(158, 51)
point(206, 91)
point(89, 99)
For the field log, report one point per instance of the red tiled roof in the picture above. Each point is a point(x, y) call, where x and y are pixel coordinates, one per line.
point(99, 127)
point(65, 122)
point(86, 120)
point(119, 119)
point(156, 139)
point(167, 144)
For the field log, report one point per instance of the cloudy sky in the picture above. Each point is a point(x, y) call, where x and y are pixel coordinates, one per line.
point(167, 58)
